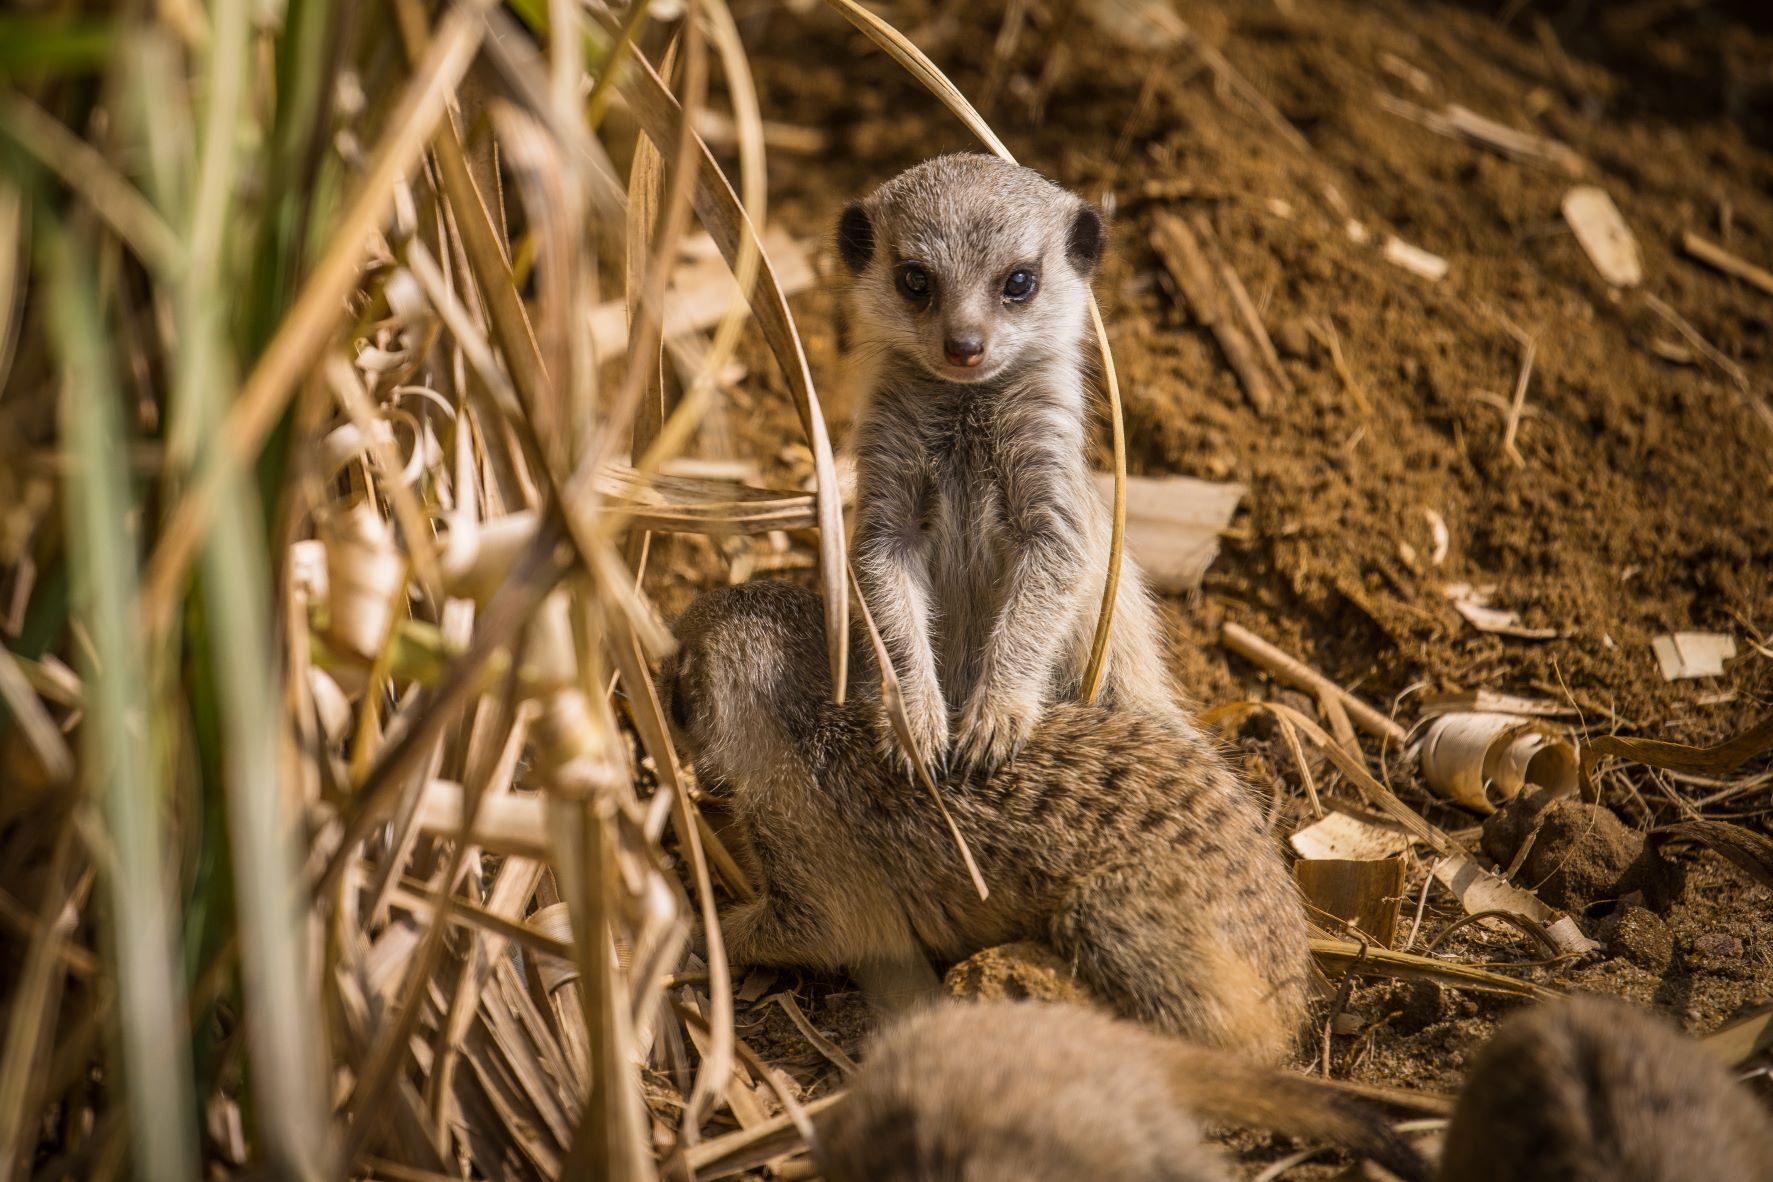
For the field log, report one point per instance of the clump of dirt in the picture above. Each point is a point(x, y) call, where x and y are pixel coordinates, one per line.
point(1574, 853)
point(1640, 504)
point(1023, 971)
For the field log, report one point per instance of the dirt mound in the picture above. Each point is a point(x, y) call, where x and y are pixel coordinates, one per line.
point(1640, 502)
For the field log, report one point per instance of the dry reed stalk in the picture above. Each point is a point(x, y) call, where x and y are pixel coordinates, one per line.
point(422, 863)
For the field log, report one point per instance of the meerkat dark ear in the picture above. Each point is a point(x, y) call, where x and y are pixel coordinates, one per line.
point(855, 237)
point(1088, 235)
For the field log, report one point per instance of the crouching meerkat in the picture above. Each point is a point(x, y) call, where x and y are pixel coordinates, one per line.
point(1582, 1090)
point(1596, 1090)
point(1123, 840)
point(1027, 1092)
point(981, 544)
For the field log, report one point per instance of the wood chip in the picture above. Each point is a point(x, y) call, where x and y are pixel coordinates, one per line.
point(1344, 835)
point(1697, 340)
point(1296, 673)
point(1483, 761)
point(1415, 260)
point(1362, 892)
point(1438, 532)
point(702, 290)
point(1493, 702)
point(1751, 852)
point(1174, 524)
point(1457, 122)
point(1693, 654)
point(1474, 604)
point(1674, 354)
point(1241, 304)
point(1603, 235)
point(1368, 961)
point(1716, 256)
point(1478, 890)
point(1720, 759)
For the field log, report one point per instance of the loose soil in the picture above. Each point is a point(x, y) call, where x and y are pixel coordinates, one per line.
point(1642, 505)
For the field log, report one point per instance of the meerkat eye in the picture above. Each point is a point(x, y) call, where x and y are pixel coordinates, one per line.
point(914, 282)
point(1020, 284)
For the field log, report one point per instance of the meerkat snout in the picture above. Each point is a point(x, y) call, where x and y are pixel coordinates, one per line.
point(965, 351)
point(969, 266)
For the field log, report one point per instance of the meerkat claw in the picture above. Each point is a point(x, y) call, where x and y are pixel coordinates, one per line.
point(1014, 752)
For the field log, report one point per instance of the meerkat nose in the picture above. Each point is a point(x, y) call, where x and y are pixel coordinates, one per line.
point(967, 351)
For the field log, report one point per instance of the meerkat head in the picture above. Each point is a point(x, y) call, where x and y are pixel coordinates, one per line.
point(969, 266)
point(747, 680)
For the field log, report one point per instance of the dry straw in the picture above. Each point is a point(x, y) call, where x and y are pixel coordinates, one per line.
point(339, 792)
point(321, 839)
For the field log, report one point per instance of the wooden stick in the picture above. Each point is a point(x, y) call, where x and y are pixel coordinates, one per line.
point(1182, 256)
point(1513, 425)
point(1716, 256)
point(1254, 649)
point(1329, 338)
point(1697, 340)
point(1242, 304)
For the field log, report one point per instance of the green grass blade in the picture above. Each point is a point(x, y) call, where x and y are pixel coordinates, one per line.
point(37, 47)
point(120, 768)
point(282, 1008)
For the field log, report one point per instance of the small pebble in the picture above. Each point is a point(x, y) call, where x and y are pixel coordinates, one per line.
point(1639, 935)
point(1292, 339)
point(1716, 946)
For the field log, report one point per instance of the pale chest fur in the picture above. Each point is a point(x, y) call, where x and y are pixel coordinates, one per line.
point(973, 468)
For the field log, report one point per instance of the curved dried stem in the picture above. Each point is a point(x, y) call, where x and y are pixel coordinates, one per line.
point(900, 49)
point(315, 312)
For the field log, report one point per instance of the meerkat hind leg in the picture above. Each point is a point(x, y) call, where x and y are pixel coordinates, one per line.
point(898, 984)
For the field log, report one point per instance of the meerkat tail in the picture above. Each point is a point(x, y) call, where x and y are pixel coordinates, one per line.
point(1220, 1087)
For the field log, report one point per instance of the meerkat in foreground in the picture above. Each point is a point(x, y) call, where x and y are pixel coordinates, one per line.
point(1123, 840)
point(1582, 1090)
point(981, 544)
point(1026, 1092)
point(1597, 1090)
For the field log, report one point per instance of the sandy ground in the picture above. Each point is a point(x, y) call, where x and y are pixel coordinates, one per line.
point(1641, 502)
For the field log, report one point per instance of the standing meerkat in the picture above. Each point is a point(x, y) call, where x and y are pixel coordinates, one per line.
point(981, 543)
point(1026, 1092)
point(1123, 840)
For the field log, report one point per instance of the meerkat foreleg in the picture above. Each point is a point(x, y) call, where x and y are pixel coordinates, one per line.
point(893, 568)
point(1028, 640)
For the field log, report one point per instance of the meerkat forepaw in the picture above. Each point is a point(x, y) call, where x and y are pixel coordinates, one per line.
point(991, 734)
point(929, 729)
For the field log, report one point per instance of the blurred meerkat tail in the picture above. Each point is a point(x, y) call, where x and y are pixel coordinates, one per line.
point(1221, 1087)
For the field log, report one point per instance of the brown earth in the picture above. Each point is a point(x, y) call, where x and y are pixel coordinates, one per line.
point(1643, 503)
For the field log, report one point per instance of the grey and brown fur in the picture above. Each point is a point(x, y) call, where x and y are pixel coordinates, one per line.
point(1123, 840)
point(1582, 1090)
point(1596, 1090)
point(981, 545)
point(1024, 1092)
